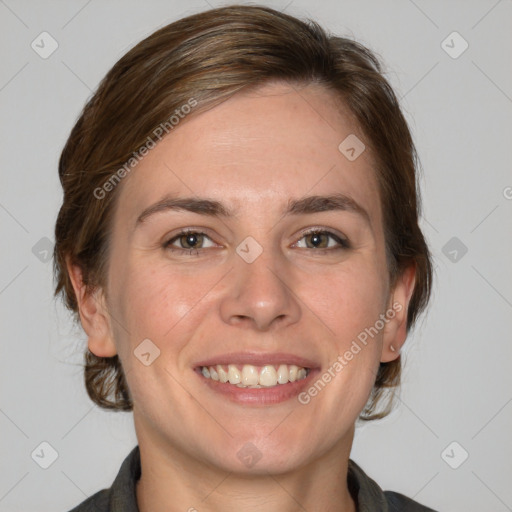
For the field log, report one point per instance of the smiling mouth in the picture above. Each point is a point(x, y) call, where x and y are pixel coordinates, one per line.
point(251, 376)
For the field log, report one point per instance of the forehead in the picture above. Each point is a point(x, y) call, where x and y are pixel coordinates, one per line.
point(256, 151)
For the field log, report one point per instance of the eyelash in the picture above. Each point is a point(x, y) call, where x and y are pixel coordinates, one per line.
point(343, 243)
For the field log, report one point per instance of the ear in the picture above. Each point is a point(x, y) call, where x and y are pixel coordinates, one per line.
point(395, 331)
point(94, 315)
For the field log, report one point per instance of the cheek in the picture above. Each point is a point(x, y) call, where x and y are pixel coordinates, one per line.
point(349, 303)
point(161, 303)
point(156, 304)
point(349, 300)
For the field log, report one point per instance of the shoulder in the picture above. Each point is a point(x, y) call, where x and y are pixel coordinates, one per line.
point(399, 503)
point(98, 502)
point(121, 496)
point(371, 498)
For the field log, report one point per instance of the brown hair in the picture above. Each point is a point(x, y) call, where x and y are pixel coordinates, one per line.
point(209, 57)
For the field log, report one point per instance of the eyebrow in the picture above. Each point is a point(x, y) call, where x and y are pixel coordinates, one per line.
point(213, 208)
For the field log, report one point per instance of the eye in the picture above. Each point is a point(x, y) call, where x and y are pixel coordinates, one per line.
point(319, 239)
point(189, 241)
point(192, 242)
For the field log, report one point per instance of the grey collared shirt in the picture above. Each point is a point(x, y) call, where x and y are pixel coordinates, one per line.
point(121, 497)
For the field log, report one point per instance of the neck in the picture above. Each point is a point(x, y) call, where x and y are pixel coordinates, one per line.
point(171, 481)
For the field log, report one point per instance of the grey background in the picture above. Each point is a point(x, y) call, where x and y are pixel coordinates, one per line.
point(457, 384)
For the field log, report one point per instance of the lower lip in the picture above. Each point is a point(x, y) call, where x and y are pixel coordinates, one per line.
point(259, 396)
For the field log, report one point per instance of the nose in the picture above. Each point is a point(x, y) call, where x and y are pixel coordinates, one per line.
point(260, 295)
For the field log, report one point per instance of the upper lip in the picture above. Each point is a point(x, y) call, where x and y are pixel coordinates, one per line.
point(257, 359)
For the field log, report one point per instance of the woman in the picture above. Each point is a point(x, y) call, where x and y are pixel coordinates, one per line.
point(239, 238)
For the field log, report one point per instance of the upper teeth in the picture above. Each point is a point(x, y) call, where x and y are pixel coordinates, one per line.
point(255, 376)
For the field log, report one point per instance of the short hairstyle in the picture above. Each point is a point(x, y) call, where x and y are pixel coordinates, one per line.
point(205, 59)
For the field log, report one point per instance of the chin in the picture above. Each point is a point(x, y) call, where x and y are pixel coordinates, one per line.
point(257, 455)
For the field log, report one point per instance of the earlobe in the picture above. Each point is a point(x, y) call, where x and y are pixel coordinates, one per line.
point(395, 331)
point(94, 315)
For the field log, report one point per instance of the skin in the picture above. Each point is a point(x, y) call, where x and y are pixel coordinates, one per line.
point(253, 152)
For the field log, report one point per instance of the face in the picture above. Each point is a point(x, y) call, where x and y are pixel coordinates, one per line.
point(268, 280)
